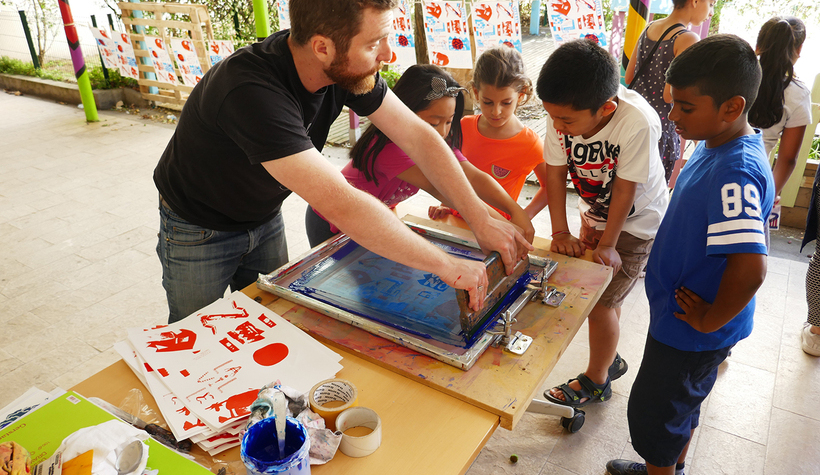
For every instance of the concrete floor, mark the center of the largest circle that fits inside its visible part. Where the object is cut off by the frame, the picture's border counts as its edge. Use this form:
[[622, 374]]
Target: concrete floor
[[78, 224]]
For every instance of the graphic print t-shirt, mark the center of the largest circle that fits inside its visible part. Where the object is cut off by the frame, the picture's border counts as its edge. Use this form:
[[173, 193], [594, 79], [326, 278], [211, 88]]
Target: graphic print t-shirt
[[627, 147]]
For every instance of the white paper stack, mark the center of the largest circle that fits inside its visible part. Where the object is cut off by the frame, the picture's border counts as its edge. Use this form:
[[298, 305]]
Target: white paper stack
[[205, 370]]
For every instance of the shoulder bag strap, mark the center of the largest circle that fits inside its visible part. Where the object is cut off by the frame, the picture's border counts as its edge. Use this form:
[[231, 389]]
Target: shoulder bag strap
[[652, 52]]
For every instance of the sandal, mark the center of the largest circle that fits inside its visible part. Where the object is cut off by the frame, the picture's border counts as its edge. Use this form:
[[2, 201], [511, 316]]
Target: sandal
[[593, 392], [618, 368]]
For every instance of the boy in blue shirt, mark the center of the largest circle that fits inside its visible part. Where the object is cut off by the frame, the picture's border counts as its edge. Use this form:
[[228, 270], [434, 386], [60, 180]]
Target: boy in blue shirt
[[709, 257]]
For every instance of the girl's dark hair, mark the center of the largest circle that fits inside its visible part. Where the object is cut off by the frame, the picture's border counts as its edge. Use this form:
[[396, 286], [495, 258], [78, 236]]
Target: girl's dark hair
[[778, 42], [412, 88], [502, 66]]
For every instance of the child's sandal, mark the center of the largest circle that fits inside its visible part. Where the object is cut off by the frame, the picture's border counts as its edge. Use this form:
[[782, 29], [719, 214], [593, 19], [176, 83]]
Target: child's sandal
[[589, 390]]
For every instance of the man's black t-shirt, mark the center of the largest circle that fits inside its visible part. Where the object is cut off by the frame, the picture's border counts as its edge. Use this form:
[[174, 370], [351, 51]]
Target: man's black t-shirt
[[248, 109]]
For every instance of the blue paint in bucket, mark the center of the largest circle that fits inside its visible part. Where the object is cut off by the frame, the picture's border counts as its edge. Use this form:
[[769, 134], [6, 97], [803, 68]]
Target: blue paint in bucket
[[260, 449]]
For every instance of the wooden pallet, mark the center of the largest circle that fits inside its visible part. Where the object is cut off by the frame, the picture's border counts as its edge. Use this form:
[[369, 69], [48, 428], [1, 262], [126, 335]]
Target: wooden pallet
[[197, 27]]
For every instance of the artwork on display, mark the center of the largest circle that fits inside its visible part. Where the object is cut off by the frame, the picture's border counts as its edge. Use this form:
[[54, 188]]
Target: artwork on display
[[448, 40], [163, 65], [219, 50], [575, 19], [496, 23], [126, 60], [216, 359], [283, 10], [402, 41], [186, 58], [106, 46]]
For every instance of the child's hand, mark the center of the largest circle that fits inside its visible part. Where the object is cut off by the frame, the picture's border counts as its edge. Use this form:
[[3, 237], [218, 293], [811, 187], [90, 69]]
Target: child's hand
[[607, 256], [568, 245], [694, 308], [524, 225], [437, 212]]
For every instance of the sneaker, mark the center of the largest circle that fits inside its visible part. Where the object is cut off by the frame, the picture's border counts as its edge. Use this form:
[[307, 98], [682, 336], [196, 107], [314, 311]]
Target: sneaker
[[625, 467], [811, 341]]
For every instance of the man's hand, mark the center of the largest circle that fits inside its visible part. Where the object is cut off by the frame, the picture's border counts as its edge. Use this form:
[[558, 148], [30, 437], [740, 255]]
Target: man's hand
[[694, 309], [568, 245], [607, 256], [438, 212], [501, 236], [470, 276]]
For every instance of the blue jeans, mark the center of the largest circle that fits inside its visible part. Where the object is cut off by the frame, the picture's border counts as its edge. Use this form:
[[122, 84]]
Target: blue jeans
[[198, 263]]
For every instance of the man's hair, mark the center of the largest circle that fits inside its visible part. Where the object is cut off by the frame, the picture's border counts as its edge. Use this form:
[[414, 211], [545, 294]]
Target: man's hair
[[720, 66], [580, 74], [338, 20]]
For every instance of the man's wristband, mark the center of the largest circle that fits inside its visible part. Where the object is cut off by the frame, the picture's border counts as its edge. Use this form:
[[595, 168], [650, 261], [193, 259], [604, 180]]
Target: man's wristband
[[559, 232]]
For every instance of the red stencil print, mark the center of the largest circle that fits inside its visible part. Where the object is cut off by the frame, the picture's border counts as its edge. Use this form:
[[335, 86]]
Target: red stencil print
[[271, 354], [237, 405], [403, 41], [458, 44], [170, 341]]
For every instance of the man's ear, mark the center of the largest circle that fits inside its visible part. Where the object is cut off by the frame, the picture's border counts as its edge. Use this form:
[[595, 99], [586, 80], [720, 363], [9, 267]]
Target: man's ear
[[733, 108], [323, 49], [609, 107]]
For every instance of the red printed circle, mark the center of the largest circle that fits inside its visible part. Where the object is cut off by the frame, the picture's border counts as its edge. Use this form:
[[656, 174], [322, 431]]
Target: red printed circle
[[271, 354]]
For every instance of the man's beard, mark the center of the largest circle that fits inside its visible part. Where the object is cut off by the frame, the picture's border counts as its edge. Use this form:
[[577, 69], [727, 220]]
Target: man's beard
[[356, 83]]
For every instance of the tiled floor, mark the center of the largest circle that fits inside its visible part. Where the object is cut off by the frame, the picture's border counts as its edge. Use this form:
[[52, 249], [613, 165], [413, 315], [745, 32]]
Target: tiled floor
[[78, 226]]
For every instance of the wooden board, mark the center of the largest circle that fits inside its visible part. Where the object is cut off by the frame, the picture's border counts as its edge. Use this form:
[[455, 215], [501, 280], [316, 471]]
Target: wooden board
[[500, 382], [196, 27]]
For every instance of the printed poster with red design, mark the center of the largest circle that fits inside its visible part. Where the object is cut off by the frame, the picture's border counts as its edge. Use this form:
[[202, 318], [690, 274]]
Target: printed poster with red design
[[186, 58], [575, 19], [283, 10], [496, 23], [125, 55], [448, 40], [106, 47], [402, 41], [218, 358], [219, 50], [163, 65]]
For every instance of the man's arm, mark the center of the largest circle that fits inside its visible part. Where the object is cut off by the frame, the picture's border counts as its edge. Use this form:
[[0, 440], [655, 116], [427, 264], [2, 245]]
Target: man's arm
[[371, 224], [744, 274], [436, 160]]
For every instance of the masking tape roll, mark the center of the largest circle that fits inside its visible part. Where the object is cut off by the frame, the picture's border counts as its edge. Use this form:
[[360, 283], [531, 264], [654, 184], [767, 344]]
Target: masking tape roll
[[364, 445], [326, 396]]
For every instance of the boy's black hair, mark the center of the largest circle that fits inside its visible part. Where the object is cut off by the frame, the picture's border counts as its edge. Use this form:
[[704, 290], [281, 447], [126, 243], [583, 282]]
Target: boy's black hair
[[721, 67], [580, 74]]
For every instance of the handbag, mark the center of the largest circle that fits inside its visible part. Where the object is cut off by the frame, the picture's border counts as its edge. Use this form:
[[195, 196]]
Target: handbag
[[652, 52]]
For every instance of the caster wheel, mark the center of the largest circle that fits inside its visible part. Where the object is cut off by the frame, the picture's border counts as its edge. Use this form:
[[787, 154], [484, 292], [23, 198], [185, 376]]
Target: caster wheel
[[573, 424]]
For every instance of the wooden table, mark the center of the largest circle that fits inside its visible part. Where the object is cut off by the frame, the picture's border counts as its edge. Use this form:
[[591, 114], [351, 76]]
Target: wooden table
[[435, 418]]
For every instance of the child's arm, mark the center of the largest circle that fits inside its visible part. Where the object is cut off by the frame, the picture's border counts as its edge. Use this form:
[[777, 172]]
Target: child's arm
[[623, 197], [563, 241], [744, 274], [790, 142], [540, 199], [494, 194]]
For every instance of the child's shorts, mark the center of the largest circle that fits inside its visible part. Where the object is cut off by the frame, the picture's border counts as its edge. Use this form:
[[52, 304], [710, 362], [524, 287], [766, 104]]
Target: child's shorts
[[664, 405], [634, 253]]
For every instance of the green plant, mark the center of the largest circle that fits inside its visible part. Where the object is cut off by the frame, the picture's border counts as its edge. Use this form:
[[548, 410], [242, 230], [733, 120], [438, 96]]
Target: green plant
[[390, 76], [115, 80], [15, 66], [814, 151]]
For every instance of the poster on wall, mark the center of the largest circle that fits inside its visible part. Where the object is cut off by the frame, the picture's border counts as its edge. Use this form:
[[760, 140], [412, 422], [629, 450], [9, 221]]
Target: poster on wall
[[283, 10], [186, 58], [571, 20], [219, 50], [402, 41], [448, 40], [127, 60], [163, 65], [106, 47], [496, 23]]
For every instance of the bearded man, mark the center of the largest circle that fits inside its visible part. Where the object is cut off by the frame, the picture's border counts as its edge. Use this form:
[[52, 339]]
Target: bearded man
[[252, 132]]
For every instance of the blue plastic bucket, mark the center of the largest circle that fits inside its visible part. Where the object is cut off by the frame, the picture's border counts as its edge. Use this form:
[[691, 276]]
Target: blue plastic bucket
[[260, 449]]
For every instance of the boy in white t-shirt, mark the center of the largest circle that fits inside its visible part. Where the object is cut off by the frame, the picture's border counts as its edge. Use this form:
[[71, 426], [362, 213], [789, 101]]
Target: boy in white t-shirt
[[606, 137]]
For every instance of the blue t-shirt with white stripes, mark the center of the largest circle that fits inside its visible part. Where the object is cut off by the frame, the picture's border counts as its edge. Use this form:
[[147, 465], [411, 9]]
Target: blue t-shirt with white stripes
[[720, 206]]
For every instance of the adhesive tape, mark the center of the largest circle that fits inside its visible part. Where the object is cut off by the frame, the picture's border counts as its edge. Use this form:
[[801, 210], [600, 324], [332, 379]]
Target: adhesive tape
[[353, 446], [330, 397]]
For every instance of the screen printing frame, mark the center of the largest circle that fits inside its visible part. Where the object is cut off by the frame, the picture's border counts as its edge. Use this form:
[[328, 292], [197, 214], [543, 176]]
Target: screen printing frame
[[277, 283]]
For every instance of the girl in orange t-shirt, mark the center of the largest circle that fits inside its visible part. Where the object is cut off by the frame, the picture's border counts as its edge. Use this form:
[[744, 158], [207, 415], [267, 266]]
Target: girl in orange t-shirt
[[496, 141]]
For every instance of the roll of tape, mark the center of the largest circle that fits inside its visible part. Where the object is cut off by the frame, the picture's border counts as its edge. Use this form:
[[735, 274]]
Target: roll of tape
[[330, 397], [360, 446]]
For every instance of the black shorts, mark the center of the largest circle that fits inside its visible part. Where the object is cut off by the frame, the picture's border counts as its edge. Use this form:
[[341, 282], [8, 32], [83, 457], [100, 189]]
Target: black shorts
[[664, 405]]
